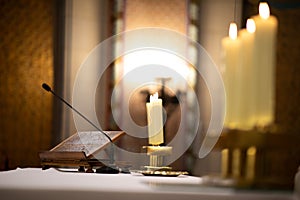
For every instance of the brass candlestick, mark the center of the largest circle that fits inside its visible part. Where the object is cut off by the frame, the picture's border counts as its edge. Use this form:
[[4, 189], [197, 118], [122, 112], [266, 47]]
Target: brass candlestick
[[157, 156], [157, 165], [259, 159]]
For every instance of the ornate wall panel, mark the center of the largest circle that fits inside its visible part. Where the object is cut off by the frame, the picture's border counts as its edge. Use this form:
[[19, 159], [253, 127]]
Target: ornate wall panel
[[26, 61]]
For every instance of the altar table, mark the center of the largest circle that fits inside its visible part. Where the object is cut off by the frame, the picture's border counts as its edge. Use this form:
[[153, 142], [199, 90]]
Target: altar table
[[35, 183]]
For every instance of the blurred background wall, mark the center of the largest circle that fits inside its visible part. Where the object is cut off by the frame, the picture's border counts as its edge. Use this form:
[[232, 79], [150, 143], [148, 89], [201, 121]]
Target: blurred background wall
[[32, 51], [26, 60]]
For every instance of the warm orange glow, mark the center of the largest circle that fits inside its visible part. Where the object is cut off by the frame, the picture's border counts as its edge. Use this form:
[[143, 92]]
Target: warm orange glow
[[250, 25], [264, 10], [233, 31]]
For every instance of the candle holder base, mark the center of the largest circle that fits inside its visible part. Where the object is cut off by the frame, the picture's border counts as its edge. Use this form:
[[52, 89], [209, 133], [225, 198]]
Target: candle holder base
[[157, 155], [152, 168], [168, 173], [157, 165]]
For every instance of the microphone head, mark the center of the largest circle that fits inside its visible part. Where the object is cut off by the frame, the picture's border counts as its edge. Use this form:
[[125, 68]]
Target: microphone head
[[46, 87]]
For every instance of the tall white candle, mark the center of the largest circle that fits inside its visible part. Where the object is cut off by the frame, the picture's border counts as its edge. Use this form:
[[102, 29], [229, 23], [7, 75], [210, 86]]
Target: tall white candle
[[248, 77], [265, 51], [155, 120], [231, 50]]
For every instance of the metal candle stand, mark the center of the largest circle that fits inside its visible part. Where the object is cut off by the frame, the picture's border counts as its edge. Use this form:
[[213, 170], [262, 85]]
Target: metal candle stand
[[157, 156], [157, 165]]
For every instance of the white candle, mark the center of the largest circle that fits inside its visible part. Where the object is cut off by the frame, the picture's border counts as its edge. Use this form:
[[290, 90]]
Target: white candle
[[231, 50], [265, 51], [248, 77], [155, 120]]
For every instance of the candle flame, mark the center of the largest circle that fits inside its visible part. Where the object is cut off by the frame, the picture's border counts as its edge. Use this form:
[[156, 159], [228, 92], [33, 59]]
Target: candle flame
[[233, 31], [154, 97], [250, 25], [264, 10]]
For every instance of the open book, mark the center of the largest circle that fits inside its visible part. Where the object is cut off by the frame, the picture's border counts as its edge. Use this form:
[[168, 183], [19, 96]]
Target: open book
[[79, 150]]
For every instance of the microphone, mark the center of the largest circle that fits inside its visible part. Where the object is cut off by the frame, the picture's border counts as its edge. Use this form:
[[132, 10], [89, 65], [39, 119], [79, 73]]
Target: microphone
[[104, 169]]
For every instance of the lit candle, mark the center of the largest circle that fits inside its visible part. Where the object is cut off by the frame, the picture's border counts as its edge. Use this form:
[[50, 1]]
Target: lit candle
[[155, 120], [248, 76], [265, 51], [231, 49]]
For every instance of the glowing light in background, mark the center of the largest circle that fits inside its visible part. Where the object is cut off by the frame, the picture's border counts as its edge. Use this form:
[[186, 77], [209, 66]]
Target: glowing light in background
[[250, 25], [233, 31], [148, 57], [264, 10]]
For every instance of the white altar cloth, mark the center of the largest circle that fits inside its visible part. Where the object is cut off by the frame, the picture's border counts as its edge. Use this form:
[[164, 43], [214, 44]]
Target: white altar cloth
[[34, 183]]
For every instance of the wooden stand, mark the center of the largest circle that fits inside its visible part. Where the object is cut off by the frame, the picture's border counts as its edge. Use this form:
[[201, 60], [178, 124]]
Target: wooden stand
[[79, 150], [259, 159]]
